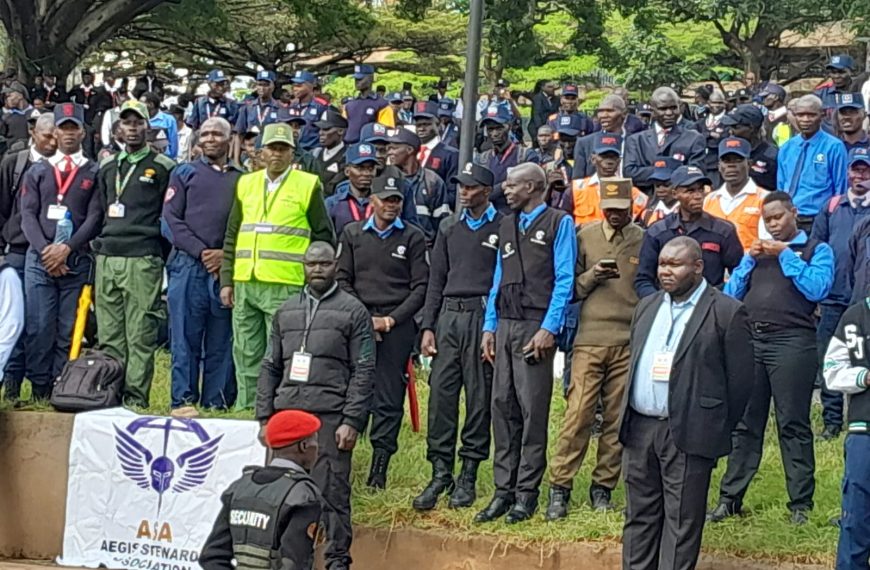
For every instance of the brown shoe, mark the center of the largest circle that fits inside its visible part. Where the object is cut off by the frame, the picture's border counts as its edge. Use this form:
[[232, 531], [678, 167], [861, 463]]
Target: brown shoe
[[185, 412]]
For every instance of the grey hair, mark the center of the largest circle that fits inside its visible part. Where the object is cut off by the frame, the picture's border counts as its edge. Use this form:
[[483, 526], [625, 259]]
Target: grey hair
[[44, 122], [220, 123], [614, 101], [686, 242], [665, 93], [811, 101], [533, 173]]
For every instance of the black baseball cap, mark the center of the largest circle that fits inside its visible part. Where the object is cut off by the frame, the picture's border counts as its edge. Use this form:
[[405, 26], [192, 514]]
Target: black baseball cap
[[387, 185], [474, 175], [745, 114], [331, 119]]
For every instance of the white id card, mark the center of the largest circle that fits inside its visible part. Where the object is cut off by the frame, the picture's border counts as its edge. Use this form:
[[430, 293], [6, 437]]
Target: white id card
[[661, 366], [116, 210], [300, 367], [56, 212]]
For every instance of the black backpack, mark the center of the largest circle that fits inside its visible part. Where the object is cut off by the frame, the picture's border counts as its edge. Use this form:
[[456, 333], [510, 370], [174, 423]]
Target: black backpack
[[93, 381]]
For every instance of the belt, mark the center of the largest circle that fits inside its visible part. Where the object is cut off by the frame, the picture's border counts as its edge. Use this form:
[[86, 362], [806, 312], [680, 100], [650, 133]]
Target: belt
[[19, 249], [762, 327], [465, 304]]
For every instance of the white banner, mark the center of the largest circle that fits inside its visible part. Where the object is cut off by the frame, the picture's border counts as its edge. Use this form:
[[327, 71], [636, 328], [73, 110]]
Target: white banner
[[144, 491]]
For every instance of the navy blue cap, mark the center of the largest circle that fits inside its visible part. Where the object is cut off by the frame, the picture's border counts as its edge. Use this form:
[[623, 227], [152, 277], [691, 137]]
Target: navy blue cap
[[495, 114], [266, 75], [688, 175], [394, 97], [607, 142], [735, 145], [331, 119], [360, 153], [426, 109], [288, 115], [404, 136], [69, 112], [407, 96], [859, 154], [362, 70], [849, 101], [841, 61], [663, 168], [774, 89], [302, 76], [474, 174], [374, 133], [216, 76], [744, 114], [570, 89], [446, 107], [644, 109], [570, 125]]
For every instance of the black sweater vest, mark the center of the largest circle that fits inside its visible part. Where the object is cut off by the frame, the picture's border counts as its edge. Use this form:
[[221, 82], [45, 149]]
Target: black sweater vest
[[471, 256], [773, 298]]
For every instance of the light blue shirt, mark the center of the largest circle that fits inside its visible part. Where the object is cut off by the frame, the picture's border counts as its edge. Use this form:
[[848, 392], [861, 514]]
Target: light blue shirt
[[474, 225], [167, 122], [822, 176], [383, 234], [650, 397], [564, 259], [813, 278]]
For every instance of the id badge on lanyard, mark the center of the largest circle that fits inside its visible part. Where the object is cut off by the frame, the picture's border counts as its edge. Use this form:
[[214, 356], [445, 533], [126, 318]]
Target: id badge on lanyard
[[300, 366], [58, 211]]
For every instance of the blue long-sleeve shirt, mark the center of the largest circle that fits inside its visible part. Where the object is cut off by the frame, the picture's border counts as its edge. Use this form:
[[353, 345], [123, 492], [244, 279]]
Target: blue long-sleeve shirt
[[813, 279], [834, 225], [564, 259], [167, 122], [822, 175]]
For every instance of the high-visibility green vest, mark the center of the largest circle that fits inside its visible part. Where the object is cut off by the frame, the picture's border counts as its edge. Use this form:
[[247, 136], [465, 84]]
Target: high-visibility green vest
[[274, 232]]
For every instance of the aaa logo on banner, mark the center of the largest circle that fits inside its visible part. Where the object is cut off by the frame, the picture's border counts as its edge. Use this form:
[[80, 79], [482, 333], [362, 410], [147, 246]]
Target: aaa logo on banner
[[144, 491]]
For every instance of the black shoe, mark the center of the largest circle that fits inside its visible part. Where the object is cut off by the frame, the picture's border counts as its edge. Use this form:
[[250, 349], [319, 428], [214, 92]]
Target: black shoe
[[442, 482], [830, 432], [799, 517], [723, 510], [497, 508], [599, 497], [465, 492], [522, 511], [597, 425], [557, 508], [378, 472]]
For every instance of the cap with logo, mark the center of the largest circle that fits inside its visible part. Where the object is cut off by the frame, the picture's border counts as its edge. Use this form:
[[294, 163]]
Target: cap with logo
[[302, 76], [387, 186], [774, 89], [495, 114], [266, 75], [615, 193], [130, 106], [278, 133], [374, 133], [33, 114], [425, 110], [663, 168], [849, 101], [570, 89], [404, 136], [362, 70], [216, 76], [841, 61], [394, 97], [604, 143], [74, 113], [446, 107], [688, 175], [644, 109], [570, 125], [735, 145], [290, 426], [745, 114], [360, 153], [288, 115], [407, 96], [859, 154], [474, 174], [331, 119]]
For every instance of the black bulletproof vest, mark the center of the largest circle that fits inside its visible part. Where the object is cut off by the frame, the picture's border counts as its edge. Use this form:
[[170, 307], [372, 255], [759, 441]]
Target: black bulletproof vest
[[254, 516], [472, 256], [527, 253], [773, 298]]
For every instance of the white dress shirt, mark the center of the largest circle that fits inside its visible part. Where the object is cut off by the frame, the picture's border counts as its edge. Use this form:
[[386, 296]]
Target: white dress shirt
[[729, 203]]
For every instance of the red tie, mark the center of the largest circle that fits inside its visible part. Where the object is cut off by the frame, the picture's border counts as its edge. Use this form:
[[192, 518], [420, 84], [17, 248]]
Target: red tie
[[423, 155], [67, 167]]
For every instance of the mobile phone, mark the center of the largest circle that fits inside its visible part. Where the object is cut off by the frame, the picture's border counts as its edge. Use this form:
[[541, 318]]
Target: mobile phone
[[529, 357], [609, 264]]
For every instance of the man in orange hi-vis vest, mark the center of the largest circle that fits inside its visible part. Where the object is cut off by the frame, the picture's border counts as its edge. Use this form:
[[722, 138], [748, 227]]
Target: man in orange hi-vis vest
[[584, 198], [739, 200]]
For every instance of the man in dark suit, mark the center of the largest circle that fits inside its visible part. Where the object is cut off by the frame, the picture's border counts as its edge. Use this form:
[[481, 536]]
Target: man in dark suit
[[691, 348], [544, 104], [611, 117], [664, 138]]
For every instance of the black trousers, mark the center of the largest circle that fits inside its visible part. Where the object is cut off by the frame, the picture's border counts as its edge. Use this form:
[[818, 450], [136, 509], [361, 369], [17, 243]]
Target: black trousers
[[785, 368], [458, 366], [521, 396], [393, 351], [331, 472], [666, 499]]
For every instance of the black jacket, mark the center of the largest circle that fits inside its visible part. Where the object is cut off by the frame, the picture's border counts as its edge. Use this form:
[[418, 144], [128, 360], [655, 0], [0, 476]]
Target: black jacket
[[641, 150], [341, 344], [711, 375], [10, 208], [542, 107]]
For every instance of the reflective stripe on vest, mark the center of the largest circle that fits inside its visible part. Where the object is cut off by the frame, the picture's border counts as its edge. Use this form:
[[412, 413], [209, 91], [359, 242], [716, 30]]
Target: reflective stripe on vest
[[274, 232]]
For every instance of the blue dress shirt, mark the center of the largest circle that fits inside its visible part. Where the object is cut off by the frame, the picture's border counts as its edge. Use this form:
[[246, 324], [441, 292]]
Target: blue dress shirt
[[564, 259], [474, 225], [822, 172], [650, 397], [813, 279], [383, 234]]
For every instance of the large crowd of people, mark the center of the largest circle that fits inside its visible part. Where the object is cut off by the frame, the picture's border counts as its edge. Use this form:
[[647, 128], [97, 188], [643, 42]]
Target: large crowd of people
[[693, 262]]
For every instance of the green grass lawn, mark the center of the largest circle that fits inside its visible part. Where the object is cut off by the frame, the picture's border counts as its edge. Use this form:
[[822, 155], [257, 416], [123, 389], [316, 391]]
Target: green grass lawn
[[764, 533]]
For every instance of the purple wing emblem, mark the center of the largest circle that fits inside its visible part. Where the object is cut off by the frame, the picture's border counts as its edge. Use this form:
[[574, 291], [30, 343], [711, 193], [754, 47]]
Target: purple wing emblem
[[195, 464], [135, 458]]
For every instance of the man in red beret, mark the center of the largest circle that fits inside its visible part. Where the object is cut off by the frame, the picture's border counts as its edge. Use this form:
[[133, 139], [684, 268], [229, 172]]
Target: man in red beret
[[271, 516]]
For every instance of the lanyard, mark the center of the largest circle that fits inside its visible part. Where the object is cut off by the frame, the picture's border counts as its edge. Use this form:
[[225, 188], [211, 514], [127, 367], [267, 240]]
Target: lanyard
[[261, 114], [63, 186], [506, 153], [209, 112], [354, 210], [119, 185]]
